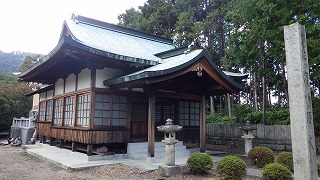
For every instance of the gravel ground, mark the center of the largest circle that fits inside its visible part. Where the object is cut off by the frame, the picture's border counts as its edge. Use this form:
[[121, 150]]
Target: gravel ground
[[16, 164]]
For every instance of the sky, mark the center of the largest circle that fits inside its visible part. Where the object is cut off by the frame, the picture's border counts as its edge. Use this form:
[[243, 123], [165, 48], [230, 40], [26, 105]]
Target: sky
[[35, 25]]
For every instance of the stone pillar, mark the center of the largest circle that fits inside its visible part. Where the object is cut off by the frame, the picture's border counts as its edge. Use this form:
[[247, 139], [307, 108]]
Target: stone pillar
[[170, 154], [301, 117], [247, 143]]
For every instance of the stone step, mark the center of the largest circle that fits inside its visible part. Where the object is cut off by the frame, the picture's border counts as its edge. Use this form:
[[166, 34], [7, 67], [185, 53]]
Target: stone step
[[139, 151]]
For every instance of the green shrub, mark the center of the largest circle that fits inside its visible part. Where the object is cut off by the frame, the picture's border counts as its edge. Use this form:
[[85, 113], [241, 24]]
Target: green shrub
[[276, 171], [199, 163], [318, 167], [231, 168], [278, 116], [316, 115], [286, 159], [219, 119], [260, 156], [254, 117]]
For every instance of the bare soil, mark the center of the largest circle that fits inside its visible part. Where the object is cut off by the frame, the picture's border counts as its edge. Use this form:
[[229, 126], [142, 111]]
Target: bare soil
[[16, 164]]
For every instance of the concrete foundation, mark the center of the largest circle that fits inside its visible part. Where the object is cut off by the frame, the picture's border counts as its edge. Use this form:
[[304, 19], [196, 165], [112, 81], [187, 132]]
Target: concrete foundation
[[24, 133]]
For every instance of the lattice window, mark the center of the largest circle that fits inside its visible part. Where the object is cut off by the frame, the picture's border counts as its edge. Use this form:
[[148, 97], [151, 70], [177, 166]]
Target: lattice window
[[69, 111], [189, 113], [169, 112], [110, 110], [49, 110], [42, 111], [139, 111], [58, 106], [83, 110], [165, 110]]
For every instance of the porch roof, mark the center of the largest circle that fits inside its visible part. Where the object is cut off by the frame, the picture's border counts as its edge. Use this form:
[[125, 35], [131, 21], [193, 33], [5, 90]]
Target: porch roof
[[177, 64]]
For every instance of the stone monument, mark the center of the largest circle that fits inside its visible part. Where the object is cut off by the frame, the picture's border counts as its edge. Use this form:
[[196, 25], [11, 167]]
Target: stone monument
[[170, 168], [301, 117], [247, 136]]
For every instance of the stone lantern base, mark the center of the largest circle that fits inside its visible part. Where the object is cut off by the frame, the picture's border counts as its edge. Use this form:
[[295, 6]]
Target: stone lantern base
[[168, 171]]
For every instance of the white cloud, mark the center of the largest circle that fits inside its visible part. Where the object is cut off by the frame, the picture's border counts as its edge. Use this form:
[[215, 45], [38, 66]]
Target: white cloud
[[35, 25]]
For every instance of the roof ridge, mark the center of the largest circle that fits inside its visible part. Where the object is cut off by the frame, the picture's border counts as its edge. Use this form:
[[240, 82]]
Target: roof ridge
[[120, 29]]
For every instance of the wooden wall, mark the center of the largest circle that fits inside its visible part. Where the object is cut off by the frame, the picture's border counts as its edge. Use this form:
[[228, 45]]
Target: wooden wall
[[82, 135]]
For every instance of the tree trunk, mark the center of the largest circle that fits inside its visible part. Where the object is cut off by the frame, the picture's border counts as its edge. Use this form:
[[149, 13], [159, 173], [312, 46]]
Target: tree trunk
[[264, 88], [255, 93], [285, 82], [212, 105]]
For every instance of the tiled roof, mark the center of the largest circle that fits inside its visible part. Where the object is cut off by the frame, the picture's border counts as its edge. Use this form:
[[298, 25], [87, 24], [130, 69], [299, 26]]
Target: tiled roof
[[117, 40], [169, 65]]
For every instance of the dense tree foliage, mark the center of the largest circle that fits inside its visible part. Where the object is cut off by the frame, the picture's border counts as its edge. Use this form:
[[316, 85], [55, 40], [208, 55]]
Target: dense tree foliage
[[13, 102], [239, 35]]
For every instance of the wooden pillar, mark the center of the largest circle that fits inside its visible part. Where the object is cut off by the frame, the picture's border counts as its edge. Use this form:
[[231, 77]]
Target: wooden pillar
[[89, 150], [61, 143], [151, 124], [203, 124], [74, 146], [229, 104], [43, 139], [51, 142]]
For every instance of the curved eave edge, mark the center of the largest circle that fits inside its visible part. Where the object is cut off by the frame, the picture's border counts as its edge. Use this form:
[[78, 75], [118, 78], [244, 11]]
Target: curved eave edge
[[149, 74], [67, 40], [43, 59], [81, 45]]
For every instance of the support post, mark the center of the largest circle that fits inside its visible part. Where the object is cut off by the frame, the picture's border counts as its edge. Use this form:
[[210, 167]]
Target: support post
[[51, 142], [43, 139], [89, 150], [203, 124], [301, 117], [61, 143], [151, 124], [74, 146]]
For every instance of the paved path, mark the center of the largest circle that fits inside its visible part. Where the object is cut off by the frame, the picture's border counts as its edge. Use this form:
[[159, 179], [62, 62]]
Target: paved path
[[76, 160]]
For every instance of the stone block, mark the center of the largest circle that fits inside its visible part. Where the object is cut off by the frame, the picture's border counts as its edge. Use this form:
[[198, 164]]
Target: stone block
[[169, 171]]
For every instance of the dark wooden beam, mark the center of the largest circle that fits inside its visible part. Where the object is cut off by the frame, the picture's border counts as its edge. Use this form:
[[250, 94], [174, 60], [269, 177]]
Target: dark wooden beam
[[203, 124], [151, 124]]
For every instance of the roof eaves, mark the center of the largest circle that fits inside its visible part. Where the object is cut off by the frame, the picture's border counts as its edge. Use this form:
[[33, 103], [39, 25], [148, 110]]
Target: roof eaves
[[41, 90], [44, 58], [147, 74], [144, 62]]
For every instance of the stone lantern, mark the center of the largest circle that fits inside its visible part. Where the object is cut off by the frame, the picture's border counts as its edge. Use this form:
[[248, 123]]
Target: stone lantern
[[170, 168], [248, 128]]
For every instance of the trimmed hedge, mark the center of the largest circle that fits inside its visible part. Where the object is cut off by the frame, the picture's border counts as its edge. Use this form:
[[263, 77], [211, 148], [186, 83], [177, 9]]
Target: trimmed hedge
[[260, 156], [231, 168], [199, 163], [276, 171], [286, 159]]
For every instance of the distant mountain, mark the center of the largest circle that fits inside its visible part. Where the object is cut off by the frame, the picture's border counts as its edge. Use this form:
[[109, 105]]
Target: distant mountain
[[9, 62]]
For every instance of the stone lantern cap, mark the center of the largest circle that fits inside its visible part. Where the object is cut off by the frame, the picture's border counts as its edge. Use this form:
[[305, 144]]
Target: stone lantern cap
[[169, 127], [248, 127]]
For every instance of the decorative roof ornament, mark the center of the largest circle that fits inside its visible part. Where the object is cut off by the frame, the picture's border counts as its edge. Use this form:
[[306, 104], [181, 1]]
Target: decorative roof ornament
[[193, 46], [74, 17]]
